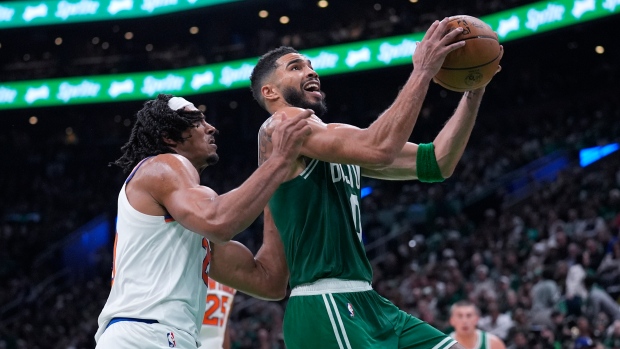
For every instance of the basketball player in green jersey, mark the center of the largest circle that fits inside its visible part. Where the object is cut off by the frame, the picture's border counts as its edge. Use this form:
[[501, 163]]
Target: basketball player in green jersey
[[317, 212], [464, 316]]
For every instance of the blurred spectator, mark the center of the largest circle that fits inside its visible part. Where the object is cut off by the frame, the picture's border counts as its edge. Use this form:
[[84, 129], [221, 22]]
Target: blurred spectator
[[584, 337], [612, 337], [462, 239], [608, 271], [495, 322], [576, 291], [484, 287], [597, 301], [520, 340], [545, 297]]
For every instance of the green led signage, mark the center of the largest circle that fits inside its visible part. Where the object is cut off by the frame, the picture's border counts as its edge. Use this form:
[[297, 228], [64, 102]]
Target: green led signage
[[358, 56], [30, 13]]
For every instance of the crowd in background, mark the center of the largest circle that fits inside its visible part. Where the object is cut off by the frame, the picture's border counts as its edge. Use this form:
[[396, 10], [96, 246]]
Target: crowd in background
[[543, 267], [105, 50], [543, 271]]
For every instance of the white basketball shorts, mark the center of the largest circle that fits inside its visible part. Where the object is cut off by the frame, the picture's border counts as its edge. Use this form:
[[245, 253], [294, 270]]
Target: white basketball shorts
[[139, 335]]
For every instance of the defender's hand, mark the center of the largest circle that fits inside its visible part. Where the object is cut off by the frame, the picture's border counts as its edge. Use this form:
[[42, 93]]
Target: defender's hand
[[289, 134]]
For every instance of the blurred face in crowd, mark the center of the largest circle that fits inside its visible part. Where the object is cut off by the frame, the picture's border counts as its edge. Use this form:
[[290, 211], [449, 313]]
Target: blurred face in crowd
[[616, 249], [299, 83], [616, 328], [561, 238], [561, 269], [583, 325], [519, 316], [520, 340], [464, 319], [573, 250]]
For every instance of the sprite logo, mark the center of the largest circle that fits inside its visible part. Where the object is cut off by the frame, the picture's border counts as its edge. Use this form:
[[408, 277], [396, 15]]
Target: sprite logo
[[153, 85], [84, 7], [324, 60], [553, 13], [67, 92], [388, 52], [231, 75]]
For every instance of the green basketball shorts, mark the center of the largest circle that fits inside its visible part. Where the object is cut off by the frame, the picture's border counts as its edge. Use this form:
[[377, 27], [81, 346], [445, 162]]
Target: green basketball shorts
[[348, 314]]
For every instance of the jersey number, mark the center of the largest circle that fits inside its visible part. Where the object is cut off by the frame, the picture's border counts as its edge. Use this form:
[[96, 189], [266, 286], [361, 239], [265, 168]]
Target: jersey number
[[214, 304], [357, 217]]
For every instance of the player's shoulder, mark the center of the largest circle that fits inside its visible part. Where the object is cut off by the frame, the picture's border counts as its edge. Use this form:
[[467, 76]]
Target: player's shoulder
[[495, 342], [165, 166], [289, 112]]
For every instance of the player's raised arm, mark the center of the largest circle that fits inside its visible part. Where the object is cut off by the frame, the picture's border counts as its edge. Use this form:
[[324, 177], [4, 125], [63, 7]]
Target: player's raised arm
[[291, 81], [436, 161]]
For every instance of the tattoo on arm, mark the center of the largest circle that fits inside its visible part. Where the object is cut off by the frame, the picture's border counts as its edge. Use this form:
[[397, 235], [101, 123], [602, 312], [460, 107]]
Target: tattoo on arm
[[264, 139]]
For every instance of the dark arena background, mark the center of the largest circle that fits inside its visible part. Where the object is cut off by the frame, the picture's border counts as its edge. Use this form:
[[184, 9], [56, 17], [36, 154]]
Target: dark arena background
[[534, 201]]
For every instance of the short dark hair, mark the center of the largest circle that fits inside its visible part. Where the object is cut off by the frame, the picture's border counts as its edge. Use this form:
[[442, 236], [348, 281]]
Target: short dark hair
[[464, 303], [153, 122], [265, 66]]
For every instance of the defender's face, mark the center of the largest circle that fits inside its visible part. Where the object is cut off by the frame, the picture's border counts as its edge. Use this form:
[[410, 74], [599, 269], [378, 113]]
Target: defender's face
[[199, 145], [464, 319], [299, 84]]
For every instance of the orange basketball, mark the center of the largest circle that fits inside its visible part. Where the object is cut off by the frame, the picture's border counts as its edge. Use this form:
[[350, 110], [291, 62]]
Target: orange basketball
[[473, 65]]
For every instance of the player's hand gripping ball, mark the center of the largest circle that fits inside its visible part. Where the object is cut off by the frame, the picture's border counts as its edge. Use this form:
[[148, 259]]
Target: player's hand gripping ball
[[473, 65]]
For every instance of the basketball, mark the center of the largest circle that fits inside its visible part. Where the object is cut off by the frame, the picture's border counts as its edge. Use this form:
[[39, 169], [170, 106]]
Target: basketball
[[473, 65]]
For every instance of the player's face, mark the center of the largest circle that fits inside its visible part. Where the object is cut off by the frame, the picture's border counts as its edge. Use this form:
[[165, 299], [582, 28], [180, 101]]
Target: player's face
[[299, 83], [464, 319], [199, 145]]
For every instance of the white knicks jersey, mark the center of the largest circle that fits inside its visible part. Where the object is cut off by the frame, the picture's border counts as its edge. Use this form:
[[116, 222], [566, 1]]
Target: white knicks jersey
[[160, 271], [219, 303]]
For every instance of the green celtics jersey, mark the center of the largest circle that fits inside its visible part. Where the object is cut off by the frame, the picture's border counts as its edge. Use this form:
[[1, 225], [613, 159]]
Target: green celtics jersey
[[318, 216], [482, 342]]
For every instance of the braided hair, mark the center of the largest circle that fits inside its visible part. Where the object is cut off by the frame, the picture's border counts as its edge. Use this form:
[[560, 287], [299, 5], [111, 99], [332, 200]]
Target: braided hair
[[265, 67], [154, 122]]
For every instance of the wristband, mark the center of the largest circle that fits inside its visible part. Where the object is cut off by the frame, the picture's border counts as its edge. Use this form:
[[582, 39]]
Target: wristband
[[426, 164]]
